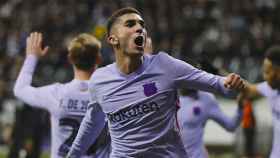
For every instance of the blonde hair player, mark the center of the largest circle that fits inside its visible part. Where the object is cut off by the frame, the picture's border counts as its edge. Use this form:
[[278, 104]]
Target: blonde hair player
[[67, 103]]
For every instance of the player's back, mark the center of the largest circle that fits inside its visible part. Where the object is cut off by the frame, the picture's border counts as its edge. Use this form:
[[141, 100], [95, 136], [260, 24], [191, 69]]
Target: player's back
[[66, 116], [73, 100], [67, 104]]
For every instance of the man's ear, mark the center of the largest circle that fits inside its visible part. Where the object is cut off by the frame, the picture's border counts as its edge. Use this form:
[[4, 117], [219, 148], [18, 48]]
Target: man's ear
[[113, 40], [98, 59]]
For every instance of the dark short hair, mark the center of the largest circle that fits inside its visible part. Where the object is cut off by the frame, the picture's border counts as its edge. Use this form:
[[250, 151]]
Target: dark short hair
[[117, 14], [273, 54]]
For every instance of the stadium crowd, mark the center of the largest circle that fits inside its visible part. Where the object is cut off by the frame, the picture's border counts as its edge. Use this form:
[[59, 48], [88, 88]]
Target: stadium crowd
[[230, 34]]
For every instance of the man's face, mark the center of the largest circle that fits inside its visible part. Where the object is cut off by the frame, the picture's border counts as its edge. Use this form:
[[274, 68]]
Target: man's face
[[130, 33], [271, 74]]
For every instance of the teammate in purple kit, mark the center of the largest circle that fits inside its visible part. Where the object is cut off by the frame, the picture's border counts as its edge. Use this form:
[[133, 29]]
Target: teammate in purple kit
[[270, 88], [67, 103], [196, 108], [138, 93]]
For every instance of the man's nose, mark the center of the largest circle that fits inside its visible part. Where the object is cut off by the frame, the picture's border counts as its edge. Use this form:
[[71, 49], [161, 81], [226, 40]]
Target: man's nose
[[140, 30]]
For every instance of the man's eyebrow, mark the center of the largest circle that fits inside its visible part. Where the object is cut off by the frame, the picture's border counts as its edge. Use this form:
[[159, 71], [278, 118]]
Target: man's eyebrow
[[142, 22], [130, 20]]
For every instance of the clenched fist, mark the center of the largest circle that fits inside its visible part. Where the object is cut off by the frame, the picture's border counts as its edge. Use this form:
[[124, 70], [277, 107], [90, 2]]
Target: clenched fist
[[234, 82]]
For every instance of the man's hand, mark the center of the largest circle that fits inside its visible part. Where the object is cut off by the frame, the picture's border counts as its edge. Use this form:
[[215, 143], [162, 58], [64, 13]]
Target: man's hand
[[34, 45], [234, 82]]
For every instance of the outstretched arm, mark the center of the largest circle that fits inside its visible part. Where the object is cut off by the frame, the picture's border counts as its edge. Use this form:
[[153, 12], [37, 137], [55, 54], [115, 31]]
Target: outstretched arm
[[23, 90], [251, 91], [188, 76], [229, 123]]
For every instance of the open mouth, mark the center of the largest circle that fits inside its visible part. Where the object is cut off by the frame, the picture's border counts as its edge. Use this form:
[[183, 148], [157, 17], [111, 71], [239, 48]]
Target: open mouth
[[139, 41]]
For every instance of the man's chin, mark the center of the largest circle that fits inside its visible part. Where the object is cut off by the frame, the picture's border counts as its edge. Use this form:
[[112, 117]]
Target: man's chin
[[135, 53], [139, 53], [138, 50]]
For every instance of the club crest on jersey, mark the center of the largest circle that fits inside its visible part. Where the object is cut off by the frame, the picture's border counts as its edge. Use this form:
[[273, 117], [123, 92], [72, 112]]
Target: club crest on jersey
[[196, 111], [150, 89]]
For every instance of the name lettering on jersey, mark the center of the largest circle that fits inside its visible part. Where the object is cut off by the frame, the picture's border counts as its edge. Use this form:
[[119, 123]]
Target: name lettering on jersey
[[85, 104], [74, 105], [133, 112]]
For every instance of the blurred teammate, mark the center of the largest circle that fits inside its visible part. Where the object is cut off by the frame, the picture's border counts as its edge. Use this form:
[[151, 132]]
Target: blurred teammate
[[67, 103], [138, 93], [270, 88], [196, 108]]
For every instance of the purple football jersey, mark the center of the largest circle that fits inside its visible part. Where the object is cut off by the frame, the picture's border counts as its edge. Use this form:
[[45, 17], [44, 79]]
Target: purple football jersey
[[141, 106]]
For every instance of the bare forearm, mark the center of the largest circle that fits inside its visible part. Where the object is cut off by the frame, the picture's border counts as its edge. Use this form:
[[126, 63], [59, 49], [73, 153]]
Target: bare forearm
[[251, 91]]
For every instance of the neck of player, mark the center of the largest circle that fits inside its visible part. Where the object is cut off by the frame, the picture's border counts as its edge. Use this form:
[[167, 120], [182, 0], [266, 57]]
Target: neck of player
[[81, 74], [128, 64]]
